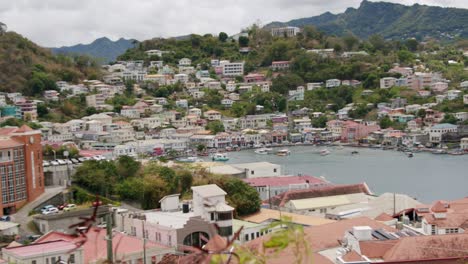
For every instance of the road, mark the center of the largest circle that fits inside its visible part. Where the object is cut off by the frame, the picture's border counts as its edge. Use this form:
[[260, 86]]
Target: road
[[22, 216]]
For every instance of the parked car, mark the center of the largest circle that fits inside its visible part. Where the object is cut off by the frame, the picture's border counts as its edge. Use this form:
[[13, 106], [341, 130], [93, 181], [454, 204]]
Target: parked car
[[52, 210], [46, 207], [69, 207], [5, 218]]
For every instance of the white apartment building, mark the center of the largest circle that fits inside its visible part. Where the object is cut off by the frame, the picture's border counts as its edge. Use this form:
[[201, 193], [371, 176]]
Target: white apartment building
[[332, 83], [232, 68], [285, 31], [436, 132], [387, 82], [181, 77]]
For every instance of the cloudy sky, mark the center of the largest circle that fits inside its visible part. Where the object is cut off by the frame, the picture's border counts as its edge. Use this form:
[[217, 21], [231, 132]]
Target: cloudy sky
[[54, 23]]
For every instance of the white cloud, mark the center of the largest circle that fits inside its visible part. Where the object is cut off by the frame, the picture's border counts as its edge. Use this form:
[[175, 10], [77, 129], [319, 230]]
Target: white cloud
[[62, 22]]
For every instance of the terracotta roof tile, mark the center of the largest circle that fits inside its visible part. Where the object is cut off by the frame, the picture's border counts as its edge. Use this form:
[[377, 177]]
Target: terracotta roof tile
[[376, 249], [283, 181], [384, 217], [352, 256], [438, 207], [428, 247]]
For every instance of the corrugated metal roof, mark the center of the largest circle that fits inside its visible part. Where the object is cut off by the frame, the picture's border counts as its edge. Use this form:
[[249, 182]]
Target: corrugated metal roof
[[319, 202]]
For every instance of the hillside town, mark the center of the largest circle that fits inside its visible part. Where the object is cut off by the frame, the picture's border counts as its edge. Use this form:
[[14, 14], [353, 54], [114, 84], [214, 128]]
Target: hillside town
[[227, 149]]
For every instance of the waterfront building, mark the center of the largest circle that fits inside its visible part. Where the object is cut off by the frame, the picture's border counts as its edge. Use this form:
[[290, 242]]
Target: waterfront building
[[436, 132]]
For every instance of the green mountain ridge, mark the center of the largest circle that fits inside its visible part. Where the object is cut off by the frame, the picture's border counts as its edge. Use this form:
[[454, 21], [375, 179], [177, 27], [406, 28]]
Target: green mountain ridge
[[102, 48], [392, 21], [28, 68]]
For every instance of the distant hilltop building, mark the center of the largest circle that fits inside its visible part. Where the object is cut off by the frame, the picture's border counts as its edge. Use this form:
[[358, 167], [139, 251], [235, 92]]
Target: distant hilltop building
[[3, 28], [285, 31]]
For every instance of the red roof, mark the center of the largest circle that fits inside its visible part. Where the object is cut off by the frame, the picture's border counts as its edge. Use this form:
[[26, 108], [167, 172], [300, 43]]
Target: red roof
[[92, 153], [284, 181], [9, 143], [383, 217], [95, 247], [39, 248], [280, 62], [439, 207]]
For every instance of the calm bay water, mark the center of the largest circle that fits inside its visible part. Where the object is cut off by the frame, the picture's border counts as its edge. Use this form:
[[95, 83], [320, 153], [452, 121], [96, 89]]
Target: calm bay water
[[426, 176]]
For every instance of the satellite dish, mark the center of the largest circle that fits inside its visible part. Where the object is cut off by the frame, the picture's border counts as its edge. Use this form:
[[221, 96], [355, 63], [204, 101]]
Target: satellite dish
[[3, 28]]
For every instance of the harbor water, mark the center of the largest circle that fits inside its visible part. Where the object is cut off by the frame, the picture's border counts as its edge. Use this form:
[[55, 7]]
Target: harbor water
[[425, 176]]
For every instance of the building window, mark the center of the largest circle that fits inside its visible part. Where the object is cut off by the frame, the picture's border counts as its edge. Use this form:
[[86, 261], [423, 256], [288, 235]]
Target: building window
[[224, 216], [274, 170], [33, 262], [169, 240], [212, 217], [258, 234], [246, 237], [252, 172], [72, 258], [252, 236], [52, 259]]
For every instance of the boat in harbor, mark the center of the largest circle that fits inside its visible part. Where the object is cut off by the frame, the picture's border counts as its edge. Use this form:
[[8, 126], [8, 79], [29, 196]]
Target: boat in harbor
[[439, 151], [354, 152], [263, 151], [283, 152], [219, 157], [409, 154], [456, 153], [324, 152]]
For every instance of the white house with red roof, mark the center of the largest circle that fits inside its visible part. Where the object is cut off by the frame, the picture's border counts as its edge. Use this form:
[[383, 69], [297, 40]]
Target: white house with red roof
[[271, 186], [54, 251], [126, 249]]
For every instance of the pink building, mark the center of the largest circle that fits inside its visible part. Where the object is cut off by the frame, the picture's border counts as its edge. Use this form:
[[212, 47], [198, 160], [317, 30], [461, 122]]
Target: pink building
[[254, 77], [350, 131]]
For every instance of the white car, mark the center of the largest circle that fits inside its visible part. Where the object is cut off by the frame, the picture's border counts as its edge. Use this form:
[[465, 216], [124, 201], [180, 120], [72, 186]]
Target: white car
[[51, 210]]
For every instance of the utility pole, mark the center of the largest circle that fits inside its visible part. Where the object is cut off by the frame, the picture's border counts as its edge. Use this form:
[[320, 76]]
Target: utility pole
[[394, 204], [269, 196], [144, 240], [110, 255]]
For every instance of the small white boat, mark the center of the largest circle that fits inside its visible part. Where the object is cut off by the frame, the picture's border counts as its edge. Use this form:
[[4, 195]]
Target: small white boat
[[263, 151], [324, 152], [283, 152], [220, 157]]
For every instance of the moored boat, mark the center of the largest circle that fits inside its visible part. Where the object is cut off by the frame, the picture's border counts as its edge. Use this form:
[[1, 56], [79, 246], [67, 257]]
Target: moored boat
[[409, 154], [220, 157], [324, 152], [263, 151], [439, 151], [354, 152], [283, 152]]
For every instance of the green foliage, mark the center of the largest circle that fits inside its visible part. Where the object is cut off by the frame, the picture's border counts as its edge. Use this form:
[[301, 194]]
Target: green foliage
[[243, 41], [392, 21], [215, 127], [385, 122], [98, 177], [449, 118], [320, 121], [283, 83], [286, 235], [30, 69], [240, 195], [19, 123], [127, 167], [222, 36]]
